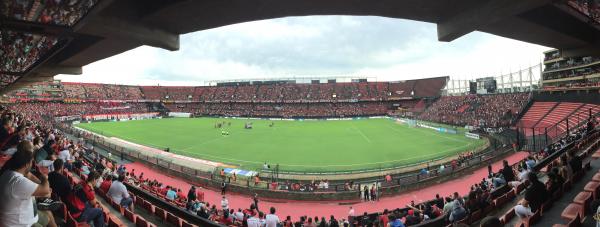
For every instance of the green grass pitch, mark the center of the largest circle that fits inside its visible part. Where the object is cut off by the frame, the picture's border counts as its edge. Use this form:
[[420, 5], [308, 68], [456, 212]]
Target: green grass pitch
[[324, 146]]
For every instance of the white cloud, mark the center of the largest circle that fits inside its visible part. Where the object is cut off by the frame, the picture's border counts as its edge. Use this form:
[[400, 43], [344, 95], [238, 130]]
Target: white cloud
[[389, 49]]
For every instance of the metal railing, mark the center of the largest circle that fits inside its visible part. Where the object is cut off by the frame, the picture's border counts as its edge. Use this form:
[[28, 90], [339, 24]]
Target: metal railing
[[538, 138]]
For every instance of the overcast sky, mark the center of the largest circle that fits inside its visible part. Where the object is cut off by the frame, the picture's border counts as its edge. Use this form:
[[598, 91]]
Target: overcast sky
[[385, 48]]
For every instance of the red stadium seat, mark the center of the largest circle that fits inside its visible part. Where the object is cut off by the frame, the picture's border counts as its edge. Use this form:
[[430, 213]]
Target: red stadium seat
[[174, 220], [592, 187], [160, 213], [71, 222], [113, 223], [509, 215], [573, 223], [571, 212], [141, 222], [148, 207], [583, 199], [129, 215]]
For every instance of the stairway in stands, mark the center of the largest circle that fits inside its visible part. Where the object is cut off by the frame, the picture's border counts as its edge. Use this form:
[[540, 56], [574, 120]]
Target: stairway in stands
[[556, 115], [536, 112], [543, 115]]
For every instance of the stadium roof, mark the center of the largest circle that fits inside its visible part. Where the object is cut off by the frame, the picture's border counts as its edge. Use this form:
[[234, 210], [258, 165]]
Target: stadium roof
[[110, 27]]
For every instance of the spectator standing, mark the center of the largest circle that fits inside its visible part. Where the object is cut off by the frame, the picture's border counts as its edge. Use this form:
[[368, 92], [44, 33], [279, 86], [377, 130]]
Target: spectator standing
[[58, 182], [271, 219], [253, 221], [507, 172], [351, 215], [255, 198], [224, 203], [575, 163], [536, 193], [192, 193], [65, 155]]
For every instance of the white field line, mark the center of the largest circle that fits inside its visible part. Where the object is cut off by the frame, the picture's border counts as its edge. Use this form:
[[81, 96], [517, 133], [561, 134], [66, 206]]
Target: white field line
[[360, 132]]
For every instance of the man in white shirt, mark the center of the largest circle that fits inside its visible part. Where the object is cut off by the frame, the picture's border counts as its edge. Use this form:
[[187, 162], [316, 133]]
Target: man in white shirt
[[224, 203], [523, 176], [118, 193], [65, 155], [18, 190], [253, 221], [271, 219], [523, 210]]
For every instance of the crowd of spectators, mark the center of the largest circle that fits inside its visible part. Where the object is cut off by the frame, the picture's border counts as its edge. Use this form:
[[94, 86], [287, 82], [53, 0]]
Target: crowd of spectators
[[285, 110], [572, 73], [572, 62], [19, 51], [102, 91], [492, 111], [7, 79], [47, 110], [372, 91], [58, 12], [588, 8], [269, 93], [574, 85]]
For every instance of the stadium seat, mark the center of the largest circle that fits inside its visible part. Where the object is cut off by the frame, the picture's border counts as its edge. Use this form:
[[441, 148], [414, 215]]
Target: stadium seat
[[571, 212], [141, 222], [160, 213], [174, 220], [592, 187], [129, 215], [596, 177], [148, 207], [510, 195], [576, 222], [488, 209], [185, 224], [117, 206], [475, 216], [545, 207], [500, 201], [583, 199], [71, 222], [520, 188], [113, 223], [509, 215], [139, 201]]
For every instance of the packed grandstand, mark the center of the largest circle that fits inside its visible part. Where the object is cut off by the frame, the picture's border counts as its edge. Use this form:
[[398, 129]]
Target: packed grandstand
[[539, 165], [33, 112]]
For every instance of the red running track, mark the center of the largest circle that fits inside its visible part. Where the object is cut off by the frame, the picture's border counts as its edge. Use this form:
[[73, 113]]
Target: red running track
[[300, 208]]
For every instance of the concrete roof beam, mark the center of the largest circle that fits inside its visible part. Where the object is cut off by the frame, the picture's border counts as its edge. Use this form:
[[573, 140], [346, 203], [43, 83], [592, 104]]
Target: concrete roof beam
[[485, 13], [57, 69], [116, 28]]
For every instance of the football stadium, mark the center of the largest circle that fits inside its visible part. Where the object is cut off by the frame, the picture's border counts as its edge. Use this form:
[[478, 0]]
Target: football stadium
[[291, 144], [299, 113]]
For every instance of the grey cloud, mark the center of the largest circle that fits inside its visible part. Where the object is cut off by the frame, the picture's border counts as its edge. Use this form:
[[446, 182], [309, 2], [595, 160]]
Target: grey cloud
[[341, 45]]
